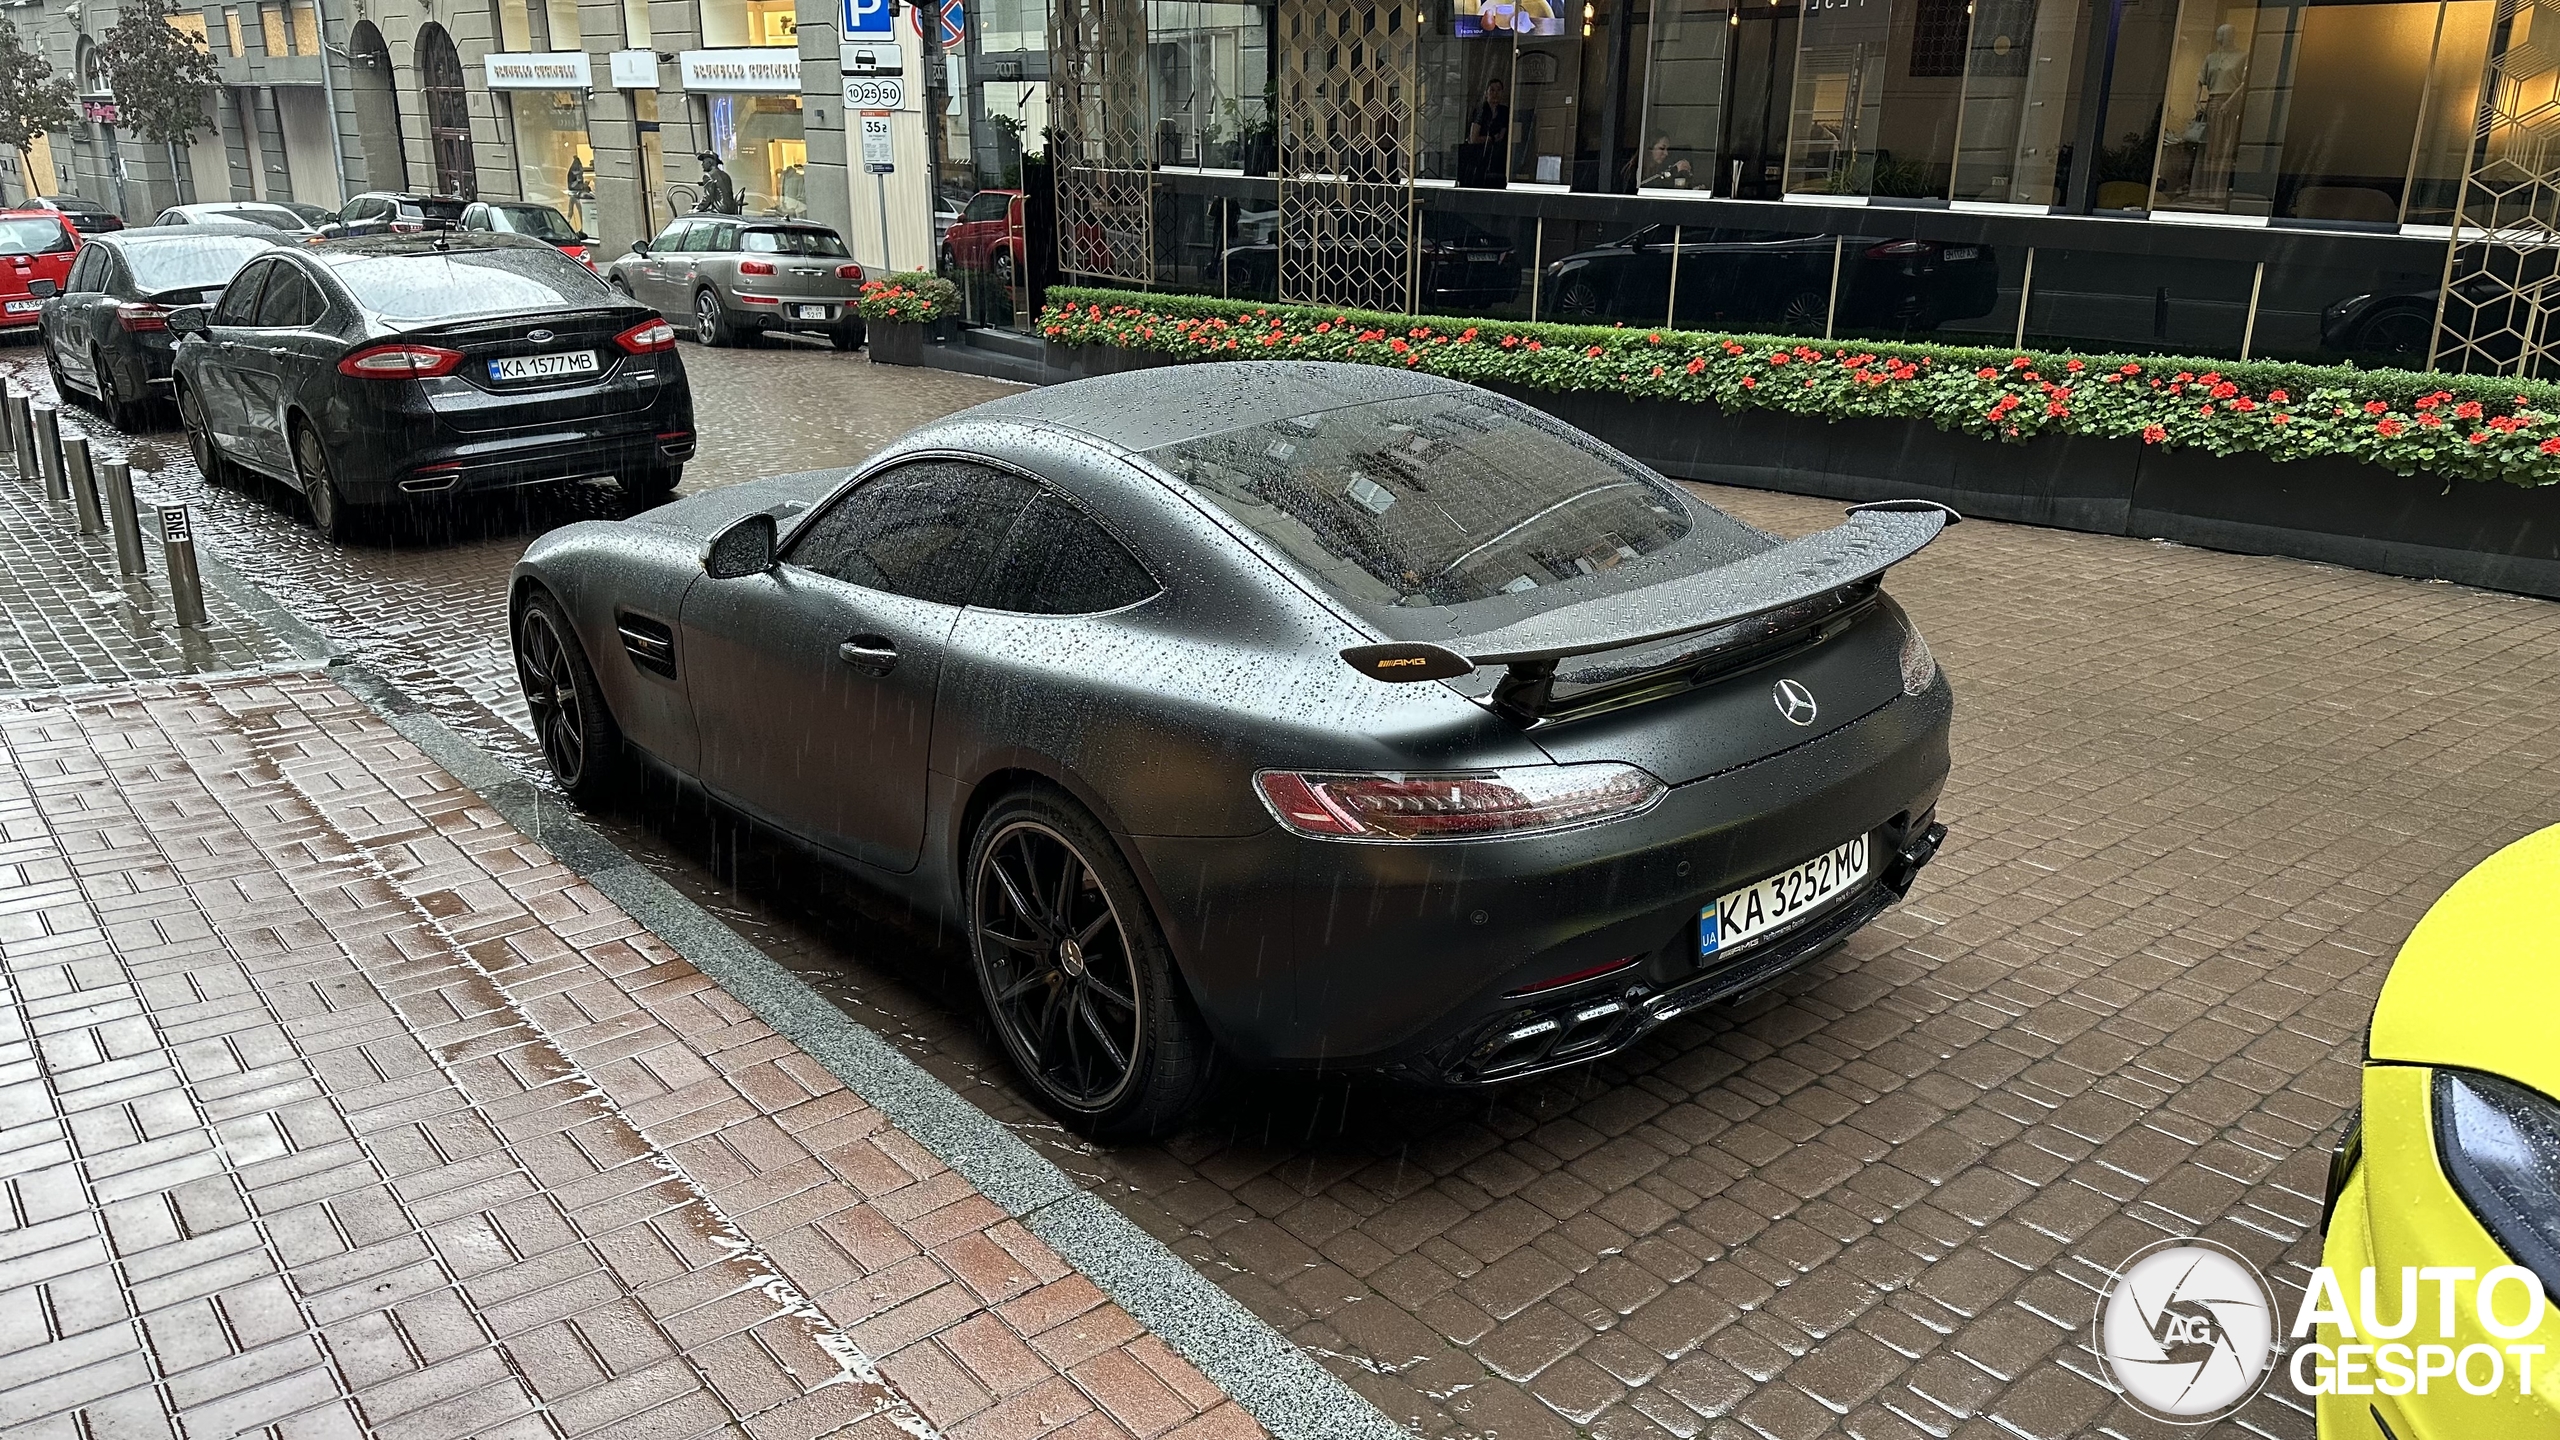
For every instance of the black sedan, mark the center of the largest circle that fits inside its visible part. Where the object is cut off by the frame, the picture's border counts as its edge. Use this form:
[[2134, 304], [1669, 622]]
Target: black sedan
[[107, 333], [401, 368], [1737, 277], [1320, 715], [86, 216]]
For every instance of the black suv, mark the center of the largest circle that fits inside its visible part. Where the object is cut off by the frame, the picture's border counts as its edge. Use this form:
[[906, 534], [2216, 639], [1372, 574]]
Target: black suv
[[396, 369], [389, 212]]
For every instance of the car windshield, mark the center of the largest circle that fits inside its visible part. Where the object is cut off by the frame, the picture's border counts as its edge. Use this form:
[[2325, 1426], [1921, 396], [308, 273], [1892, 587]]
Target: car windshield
[[428, 285], [1439, 500], [32, 235], [268, 215], [539, 221], [824, 243], [195, 263]]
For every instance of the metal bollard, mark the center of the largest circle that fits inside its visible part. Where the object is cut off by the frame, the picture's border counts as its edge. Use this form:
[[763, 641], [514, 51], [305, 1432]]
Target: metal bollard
[[178, 550], [48, 430], [9, 424], [84, 484], [22, 436], [118, 477]]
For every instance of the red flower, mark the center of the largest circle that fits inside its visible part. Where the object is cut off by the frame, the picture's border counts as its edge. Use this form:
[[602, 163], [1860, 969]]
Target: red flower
[[2153, 434], [2225, 390], [2278, 396], [2056, 407], [1593, 352], [1327, 328], [2128, 369], [1657, 372], [1750, 384], [2432, 422], [1653, 339], [2279, 419], [2477, 436], [2074, 366], [1399, 347], [2551, 446], [2389, 428], [1510, 342], [1697, 363], [2374, 407], [1986, 373], [1778, 357], [2244, 404], [2467, 410], [2020, 363], [1534, 345]]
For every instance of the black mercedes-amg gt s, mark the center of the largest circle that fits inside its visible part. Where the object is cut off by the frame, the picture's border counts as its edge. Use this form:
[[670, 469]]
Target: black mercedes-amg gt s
[[1322, 714]]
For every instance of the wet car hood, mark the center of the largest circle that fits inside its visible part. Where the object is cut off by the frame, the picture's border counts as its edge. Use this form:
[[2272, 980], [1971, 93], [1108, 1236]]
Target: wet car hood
[[2472, 987], [705, 515]]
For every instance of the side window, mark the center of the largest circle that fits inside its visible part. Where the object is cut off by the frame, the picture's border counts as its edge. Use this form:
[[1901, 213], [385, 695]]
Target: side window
[[85, 277], [924, 530], [291, 300], [240, 297], [989, 206], [1058, 561], [721, 236], [678, 237], [114, 276]]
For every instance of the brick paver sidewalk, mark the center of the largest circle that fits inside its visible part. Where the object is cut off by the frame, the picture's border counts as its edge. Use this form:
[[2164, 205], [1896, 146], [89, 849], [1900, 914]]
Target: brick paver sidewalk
[[330, 1104]]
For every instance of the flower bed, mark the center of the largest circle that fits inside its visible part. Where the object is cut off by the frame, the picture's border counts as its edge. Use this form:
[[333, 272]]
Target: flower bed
[[2476, 427], [907, 297]]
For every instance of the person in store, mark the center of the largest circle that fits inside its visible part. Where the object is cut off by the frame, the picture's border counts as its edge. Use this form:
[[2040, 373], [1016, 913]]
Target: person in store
[[581, 188], [1480, 158], [1656, 170], [719, 192]]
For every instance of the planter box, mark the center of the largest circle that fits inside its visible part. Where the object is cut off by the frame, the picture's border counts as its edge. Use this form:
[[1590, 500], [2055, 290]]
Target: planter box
[[2502, 537], [895, 342]]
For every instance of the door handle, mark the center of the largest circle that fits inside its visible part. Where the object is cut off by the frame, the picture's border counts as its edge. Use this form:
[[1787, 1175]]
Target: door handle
[[871, 654]]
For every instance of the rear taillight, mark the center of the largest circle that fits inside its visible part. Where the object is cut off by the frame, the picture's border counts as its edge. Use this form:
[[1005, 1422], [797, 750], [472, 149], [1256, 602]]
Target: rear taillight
[[848, 272], [1894, 248], [136, 315], [400, 362], [755, 267], [406, 227], [646, 337], [1919, 667], [1460, 805]]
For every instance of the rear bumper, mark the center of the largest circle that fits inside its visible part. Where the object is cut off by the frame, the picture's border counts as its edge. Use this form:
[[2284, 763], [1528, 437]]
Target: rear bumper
[[416, 456], [784, 313], [1308, 952]]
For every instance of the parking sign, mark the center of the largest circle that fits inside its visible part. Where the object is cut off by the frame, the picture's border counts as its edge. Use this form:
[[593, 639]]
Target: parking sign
[[868, 17]]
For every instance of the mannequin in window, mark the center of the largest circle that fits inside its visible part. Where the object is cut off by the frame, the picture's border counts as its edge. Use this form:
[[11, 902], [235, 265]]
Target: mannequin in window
[[2221, 82], [1488, 139]]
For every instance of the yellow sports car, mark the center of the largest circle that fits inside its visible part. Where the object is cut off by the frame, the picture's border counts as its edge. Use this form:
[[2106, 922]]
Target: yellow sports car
[[2443, 1211]]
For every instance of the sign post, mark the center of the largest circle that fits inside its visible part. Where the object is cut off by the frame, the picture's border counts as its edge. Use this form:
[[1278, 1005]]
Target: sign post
[[879, 156]]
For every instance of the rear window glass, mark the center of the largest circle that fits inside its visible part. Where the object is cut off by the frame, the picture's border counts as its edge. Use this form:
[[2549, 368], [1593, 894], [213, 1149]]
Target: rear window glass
[[823, 243], [425, 285], [32, 235], [195, 263], [1438, 500], [539, 221], [258, 215]]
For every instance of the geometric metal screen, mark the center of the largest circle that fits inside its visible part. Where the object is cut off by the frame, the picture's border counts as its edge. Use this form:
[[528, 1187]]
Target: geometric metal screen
[[1348, 93], [1098, 100], [2499, 312]]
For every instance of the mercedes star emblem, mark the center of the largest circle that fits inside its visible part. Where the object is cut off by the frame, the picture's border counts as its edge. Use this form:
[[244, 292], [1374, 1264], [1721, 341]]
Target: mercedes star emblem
[[1795, 702]]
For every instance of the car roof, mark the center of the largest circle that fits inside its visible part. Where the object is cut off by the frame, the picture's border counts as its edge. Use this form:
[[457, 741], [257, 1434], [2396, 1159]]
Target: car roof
[[1145, 409], [440, 242], [157, 234]]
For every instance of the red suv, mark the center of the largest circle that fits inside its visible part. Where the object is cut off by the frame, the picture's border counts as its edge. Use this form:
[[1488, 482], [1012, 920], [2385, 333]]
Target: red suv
[[987, 236], [34, 245]]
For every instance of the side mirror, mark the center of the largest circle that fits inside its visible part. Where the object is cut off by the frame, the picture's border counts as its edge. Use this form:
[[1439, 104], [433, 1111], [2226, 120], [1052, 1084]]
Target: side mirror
[[639, 247], [745, 548], [43, 289], [585, 239], [189, 319]]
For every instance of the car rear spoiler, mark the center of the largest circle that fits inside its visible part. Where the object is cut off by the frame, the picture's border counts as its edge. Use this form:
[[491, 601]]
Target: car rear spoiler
[[1876, 537]]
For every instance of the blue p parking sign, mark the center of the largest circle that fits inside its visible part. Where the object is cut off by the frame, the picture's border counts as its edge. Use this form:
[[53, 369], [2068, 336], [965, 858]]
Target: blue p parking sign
[[868, 17]]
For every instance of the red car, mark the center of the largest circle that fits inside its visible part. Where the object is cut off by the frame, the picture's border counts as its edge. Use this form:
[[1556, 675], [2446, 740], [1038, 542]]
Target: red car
[[987, 236], [35, 245]]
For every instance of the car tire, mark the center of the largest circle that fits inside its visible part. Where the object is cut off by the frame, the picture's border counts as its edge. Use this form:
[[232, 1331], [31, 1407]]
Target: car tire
[[710, 326], [337, 520], [851, 336], [62, 391], [211, 463], [621, 287], [1003, 269], [1804, 310], [1081, 989], [644, 488], [1578, 297], [119, 412], [580, 741]]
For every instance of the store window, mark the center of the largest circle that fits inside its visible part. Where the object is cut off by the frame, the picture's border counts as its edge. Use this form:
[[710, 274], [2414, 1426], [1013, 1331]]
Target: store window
[[2021, 101], [740, 24], [1463, 111], [1879, 86], [2308, 110], [1546, 88], [1208, 74], [2447, 124], [760, 140], [1684, 94], [562, 17], [515, 25], [555, 163]]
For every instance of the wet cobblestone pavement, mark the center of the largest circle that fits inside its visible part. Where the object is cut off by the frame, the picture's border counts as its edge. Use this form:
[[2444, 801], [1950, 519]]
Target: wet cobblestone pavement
[[2198, 799]]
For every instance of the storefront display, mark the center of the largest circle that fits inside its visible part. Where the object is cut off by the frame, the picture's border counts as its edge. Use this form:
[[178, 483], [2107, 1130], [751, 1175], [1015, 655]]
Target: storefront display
[[747, 109], [545, 96]]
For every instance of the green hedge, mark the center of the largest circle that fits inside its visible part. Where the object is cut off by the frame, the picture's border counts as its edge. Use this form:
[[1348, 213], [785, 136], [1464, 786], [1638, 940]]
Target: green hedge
[[2475, 427], [907, 295]]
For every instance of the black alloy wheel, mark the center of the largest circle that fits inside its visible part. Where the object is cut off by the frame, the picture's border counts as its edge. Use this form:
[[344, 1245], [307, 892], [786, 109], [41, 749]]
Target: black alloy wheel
[[1076, 974], [1806, 309], [1579, 296], [331, 515], [579, 739], [710, 327], [200, 443], [119, 411]]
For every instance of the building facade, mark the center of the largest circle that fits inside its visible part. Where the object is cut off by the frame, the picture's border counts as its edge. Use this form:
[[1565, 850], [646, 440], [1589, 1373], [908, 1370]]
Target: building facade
[[2317, 180]]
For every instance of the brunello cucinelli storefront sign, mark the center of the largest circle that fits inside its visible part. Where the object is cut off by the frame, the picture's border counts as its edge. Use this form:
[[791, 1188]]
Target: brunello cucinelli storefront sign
[[561, 70], [775, 70]]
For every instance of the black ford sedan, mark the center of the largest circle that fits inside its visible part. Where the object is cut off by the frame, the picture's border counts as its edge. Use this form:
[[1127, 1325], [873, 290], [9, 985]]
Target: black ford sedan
[[107, 333], [1315, 714], [393, 369]]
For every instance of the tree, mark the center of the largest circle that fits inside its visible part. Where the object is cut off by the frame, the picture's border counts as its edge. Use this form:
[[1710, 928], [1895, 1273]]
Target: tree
[[159, 73], [33, 100]]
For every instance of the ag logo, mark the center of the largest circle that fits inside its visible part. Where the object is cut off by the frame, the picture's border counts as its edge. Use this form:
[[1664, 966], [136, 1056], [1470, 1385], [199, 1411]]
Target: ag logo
[[2186, 1331]]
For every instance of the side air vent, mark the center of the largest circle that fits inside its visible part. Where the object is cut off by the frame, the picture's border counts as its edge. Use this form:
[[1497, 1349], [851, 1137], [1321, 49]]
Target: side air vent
[[651, 645]]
